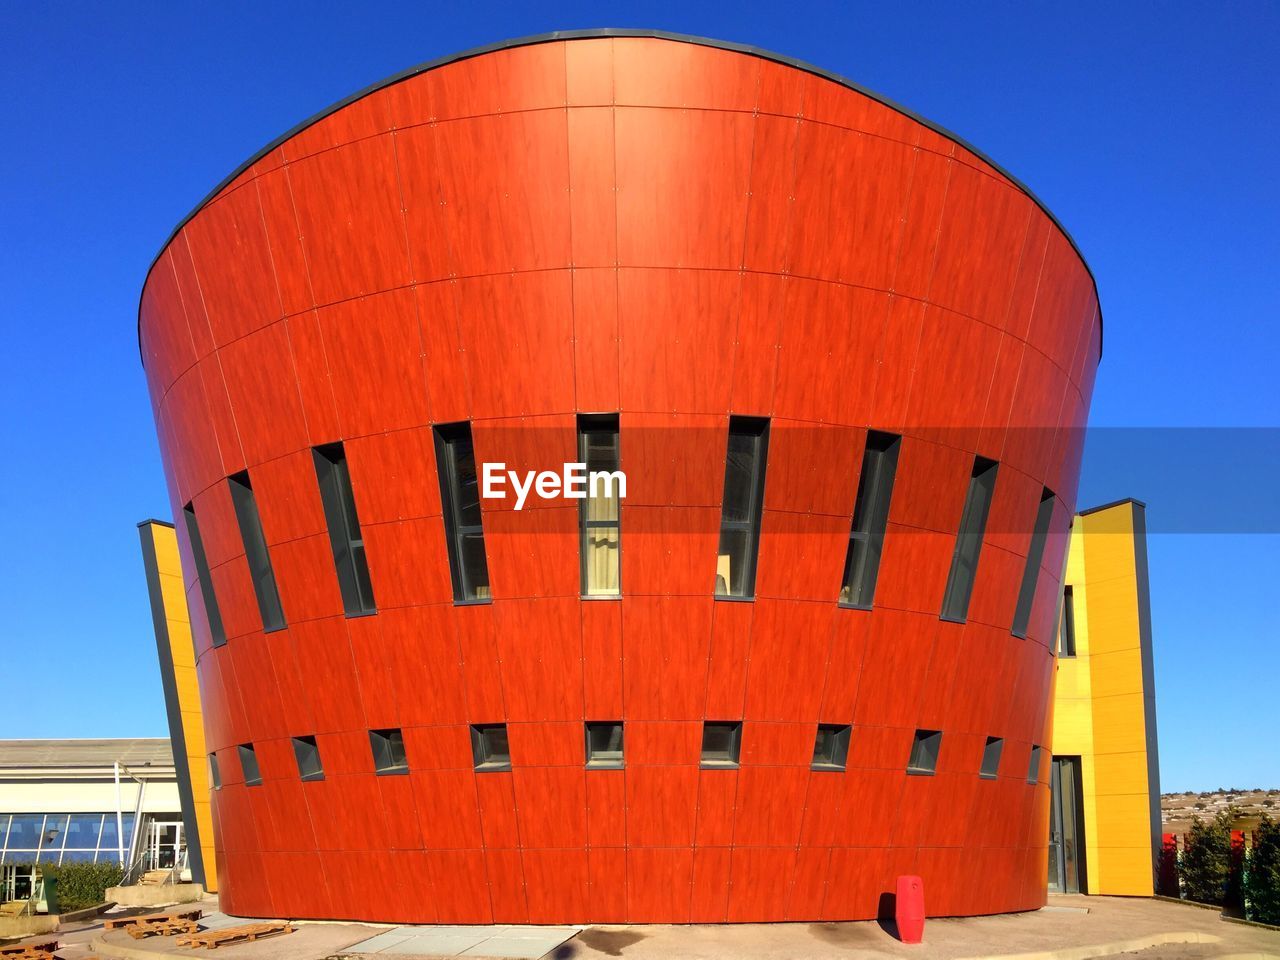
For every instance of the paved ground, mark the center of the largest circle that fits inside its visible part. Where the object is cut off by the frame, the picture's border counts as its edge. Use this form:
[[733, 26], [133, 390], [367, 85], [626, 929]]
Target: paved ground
[[527, 943], [1064, 931], [310, 941], [1059, 931]]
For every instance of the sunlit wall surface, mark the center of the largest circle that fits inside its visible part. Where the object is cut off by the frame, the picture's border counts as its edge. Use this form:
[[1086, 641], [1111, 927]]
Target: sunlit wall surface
[[176, 655], [841, 360], [1104, 701]]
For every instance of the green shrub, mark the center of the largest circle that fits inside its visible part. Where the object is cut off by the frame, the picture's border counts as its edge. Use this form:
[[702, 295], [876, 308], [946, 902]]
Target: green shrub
[[1262, 874], [1205, 864], [82, 885]]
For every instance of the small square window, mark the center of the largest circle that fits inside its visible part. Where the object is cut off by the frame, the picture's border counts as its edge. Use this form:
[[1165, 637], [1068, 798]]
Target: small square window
[[924, 752], [831, 747], [991, 758], [388, 752], [1033, 768], [249, 765], [490, 748], [215, 778], [721, 744], [307, 753], [604, 744]]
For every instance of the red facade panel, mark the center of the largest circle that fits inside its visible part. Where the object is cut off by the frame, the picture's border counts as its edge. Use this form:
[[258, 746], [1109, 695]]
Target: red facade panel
[[675, 233]]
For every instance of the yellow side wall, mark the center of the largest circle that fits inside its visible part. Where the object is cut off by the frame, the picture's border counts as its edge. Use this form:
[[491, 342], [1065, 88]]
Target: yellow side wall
[[182, 654], [1104, 700]]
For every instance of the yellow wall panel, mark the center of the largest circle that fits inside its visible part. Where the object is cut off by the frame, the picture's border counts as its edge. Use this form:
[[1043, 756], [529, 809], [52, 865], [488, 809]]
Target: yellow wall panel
[[1121, 773], [174, 645], [1103, 711], [1117, 724], [1113, 673], [1125, 872], [1120, 820], [1073, 681], [174, 594]]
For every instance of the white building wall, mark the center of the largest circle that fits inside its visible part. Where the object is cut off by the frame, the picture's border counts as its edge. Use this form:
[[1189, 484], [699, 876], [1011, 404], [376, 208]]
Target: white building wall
[[34, 796]]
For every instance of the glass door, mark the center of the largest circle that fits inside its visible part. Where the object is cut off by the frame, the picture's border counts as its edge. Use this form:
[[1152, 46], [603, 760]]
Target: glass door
[[1066, 827], [164, 844], [17, 882]]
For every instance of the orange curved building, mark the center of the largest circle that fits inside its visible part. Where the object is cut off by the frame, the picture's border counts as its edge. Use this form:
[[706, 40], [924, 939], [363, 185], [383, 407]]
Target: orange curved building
[[843, 361]]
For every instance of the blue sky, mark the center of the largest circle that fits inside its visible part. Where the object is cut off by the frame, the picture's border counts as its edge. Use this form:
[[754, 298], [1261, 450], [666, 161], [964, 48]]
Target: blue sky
[[1150, 130]]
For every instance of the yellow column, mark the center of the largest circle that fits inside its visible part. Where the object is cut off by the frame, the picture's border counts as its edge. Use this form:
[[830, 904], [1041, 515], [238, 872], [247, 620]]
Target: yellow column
[[1104, 708], [182, 691]]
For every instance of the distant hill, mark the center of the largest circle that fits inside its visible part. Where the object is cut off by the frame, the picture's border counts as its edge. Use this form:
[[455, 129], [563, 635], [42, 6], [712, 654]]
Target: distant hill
[[1177, 810]]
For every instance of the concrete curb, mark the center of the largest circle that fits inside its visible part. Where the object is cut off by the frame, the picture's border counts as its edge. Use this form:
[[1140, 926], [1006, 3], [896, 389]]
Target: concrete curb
[[1251, 923], [1216, 908], [86, 913], [101, 947], [1109, 949]]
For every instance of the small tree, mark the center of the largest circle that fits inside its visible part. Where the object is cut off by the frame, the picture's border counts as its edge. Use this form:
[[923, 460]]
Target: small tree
[[1206, 859], [1262, 874]]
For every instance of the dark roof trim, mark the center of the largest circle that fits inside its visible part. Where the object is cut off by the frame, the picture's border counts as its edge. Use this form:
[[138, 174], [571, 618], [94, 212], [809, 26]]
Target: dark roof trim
[[1114, 503], [605, 32]]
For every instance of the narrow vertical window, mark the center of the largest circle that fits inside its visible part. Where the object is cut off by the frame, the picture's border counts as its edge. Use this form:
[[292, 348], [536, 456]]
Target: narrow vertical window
[[1067, 625], [216, 631], [870, 516], [924, 752], [344, 529], [307, 753], [598, 515], [255, 552], [973, 525], [249, 765], [1035, 554], [991, 758], [1033, 767], [490, 748], [215, 777], [743, 501], [460, 497]]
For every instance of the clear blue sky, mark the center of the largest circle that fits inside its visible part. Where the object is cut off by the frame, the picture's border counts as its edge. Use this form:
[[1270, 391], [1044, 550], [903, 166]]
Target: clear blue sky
[[1150, 130]]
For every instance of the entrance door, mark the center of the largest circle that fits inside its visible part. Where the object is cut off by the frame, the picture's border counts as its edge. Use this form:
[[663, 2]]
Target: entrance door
[[17, 882], [1066, 827], [164, 843]]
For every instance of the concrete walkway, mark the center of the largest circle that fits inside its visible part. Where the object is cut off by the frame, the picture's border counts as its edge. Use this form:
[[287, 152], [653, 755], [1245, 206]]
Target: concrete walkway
[[524, 942], [1072, 928], [1112, 926]]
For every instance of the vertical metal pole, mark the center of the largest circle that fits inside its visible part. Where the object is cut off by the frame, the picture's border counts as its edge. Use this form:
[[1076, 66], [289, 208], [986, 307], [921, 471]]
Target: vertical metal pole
[[119, 815]]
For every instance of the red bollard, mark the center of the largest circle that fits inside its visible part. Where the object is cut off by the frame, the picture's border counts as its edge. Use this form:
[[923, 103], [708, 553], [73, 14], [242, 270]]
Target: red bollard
[[909, 909]]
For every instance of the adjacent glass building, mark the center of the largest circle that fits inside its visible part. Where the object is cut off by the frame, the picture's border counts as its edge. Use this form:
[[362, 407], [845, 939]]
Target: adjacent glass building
[[844, 362], [69, 801]]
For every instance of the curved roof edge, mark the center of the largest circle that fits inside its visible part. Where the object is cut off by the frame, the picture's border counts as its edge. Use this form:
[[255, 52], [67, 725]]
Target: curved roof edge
[[603, 33]]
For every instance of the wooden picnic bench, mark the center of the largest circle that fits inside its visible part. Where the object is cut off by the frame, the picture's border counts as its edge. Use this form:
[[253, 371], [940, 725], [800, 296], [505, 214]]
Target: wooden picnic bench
[[39, 950], [229, 935], [186, 914]]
